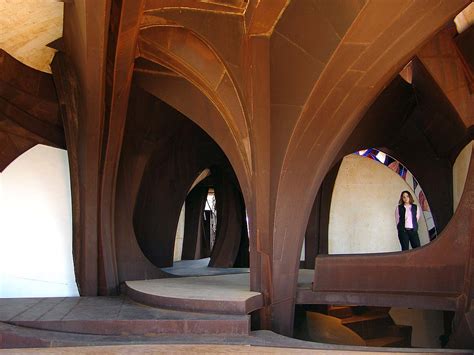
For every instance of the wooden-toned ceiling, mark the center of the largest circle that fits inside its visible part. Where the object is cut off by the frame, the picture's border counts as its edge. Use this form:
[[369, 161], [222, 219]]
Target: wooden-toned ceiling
[[27, 26]]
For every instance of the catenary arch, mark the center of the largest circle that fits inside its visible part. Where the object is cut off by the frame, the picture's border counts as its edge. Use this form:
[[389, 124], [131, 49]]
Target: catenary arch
[[163, 153], [362, 205], [336, 103], [219, 109], [411, 181]]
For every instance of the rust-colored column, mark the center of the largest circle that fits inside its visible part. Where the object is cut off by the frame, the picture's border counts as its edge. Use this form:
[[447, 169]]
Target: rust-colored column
[[230, 221], [259, 209], [194, 207], [316, 236]]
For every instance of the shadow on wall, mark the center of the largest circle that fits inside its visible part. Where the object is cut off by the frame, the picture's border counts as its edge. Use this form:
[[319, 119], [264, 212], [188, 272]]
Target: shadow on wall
[[36, 226], [427, 325]]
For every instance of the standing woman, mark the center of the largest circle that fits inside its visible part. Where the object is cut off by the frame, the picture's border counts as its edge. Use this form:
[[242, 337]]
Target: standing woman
[[407, 215]]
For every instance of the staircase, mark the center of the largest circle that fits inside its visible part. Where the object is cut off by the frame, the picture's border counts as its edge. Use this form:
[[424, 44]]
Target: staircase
[[374, 325]]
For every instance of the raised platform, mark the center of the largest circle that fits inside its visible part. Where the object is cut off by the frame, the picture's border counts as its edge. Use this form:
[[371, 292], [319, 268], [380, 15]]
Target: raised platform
[[223, 294], [114, 316]]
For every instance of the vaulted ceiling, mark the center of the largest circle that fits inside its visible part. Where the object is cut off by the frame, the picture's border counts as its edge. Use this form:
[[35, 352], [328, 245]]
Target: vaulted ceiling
[[279, 85]]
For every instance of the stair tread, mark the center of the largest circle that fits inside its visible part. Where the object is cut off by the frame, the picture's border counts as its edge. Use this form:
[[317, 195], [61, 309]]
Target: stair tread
[[365, 317], [340, 312], [373, 324], [384, 341]]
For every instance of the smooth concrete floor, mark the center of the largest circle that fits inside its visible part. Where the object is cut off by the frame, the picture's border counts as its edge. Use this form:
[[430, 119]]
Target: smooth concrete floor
[[230, 288], [200, 268]]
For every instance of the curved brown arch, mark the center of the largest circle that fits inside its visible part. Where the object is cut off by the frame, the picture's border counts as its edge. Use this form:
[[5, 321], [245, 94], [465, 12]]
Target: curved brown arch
[[166, 45], [337, 102], [439, 273], [228, 18], [165, 183], [295, 77], [29, 110], [164, 152], [235, 7], [184, 96]]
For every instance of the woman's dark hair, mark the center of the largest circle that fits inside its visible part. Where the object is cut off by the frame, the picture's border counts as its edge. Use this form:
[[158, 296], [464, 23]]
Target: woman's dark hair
[[412, 201]]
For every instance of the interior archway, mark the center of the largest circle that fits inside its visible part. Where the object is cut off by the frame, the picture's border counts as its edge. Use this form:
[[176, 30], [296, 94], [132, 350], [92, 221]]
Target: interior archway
[[362, 212], [167, 152]]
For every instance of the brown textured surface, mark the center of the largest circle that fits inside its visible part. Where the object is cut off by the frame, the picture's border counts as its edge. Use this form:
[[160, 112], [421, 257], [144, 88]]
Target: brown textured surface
[[316, 235], [279, 100], [437, 269], [259, 341], [196, 243], [114, 316], [441, 58], [171, 166], [29, 111], [463, 43], [417, 125], [348, 84]]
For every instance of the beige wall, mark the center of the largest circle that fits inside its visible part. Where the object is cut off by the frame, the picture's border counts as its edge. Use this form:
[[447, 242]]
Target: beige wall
[[36, 226], [426, 325], [27, 26], [362, 215], [460, 168]]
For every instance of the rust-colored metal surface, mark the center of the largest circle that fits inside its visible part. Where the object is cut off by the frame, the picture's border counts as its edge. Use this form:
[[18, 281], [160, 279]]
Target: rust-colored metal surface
[[196, 242], [466, 53], [406, 118], [441, 269], [359, 68], [170, 170], [113, 316], [29, 110], [279, 86], [231, 245], [447, 65]]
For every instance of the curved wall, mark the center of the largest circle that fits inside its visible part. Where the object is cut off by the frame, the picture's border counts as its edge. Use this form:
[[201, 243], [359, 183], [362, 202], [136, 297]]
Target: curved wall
[[36, 226], [460, 168]]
